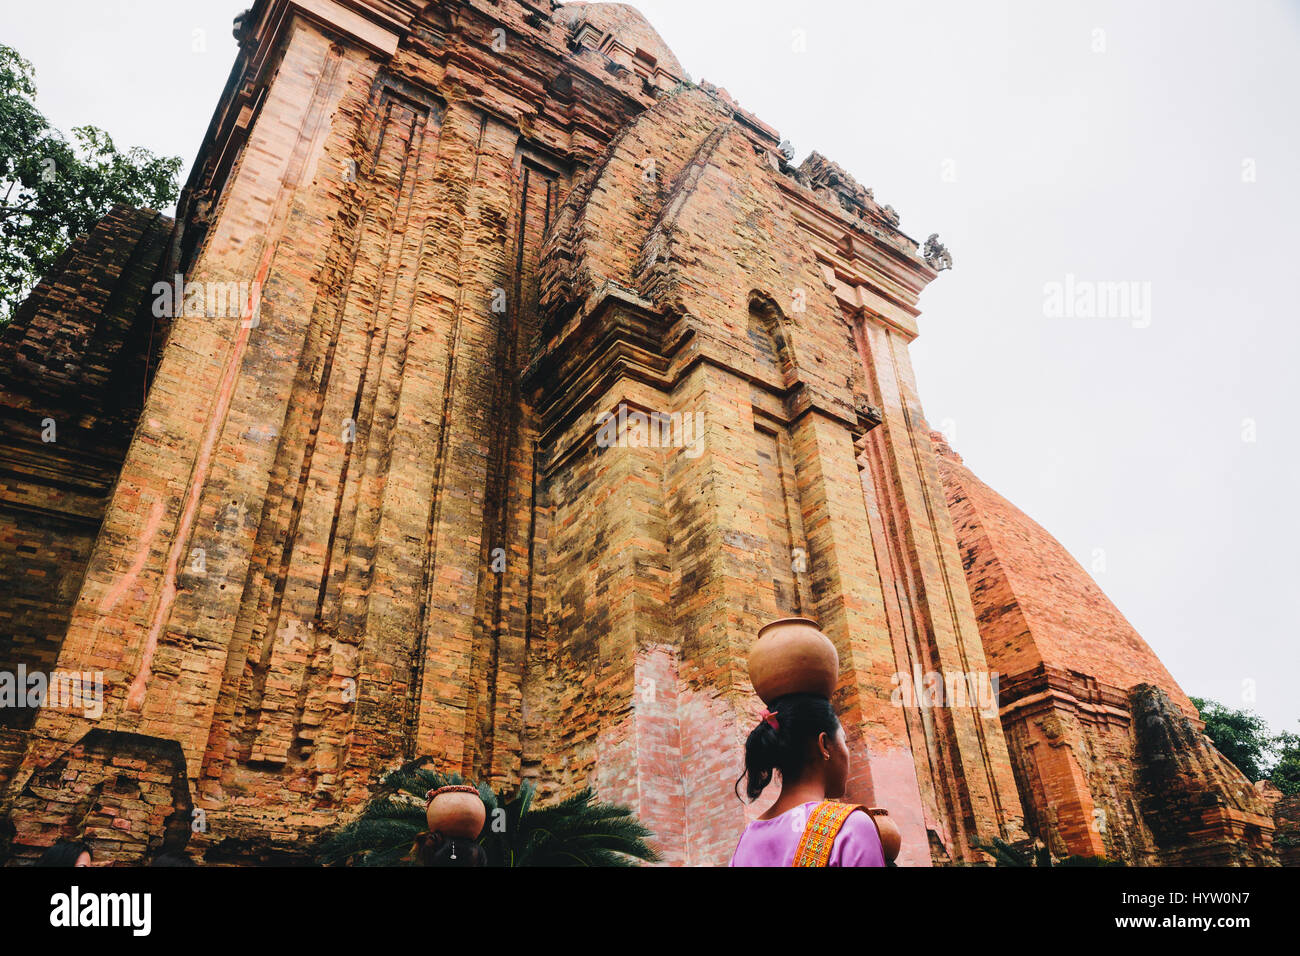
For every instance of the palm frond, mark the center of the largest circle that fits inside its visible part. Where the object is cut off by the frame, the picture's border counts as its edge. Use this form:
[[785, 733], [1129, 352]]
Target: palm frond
[[577, 831], [1004, 854]]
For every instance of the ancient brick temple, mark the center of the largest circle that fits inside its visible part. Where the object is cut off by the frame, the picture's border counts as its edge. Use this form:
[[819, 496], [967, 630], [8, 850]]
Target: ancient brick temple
[[493, 385]]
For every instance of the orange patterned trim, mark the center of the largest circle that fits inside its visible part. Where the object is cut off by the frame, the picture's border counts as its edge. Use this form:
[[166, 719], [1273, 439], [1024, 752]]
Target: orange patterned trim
[[819, 833]]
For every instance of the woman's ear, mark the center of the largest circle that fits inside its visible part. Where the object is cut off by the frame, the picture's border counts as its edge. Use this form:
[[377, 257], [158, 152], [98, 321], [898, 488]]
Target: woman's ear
[[825, 744]]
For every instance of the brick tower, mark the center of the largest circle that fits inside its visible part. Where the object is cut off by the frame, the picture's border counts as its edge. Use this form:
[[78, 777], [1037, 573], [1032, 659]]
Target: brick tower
[[512, 382]]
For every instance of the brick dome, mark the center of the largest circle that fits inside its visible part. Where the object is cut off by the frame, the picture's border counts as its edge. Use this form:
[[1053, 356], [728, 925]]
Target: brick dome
[[627, 26]]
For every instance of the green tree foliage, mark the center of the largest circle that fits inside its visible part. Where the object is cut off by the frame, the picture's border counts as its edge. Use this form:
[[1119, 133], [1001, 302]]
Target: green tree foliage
[[576, 832], [1244, 738], [1285, 774], [1241, 736], [53, 190]]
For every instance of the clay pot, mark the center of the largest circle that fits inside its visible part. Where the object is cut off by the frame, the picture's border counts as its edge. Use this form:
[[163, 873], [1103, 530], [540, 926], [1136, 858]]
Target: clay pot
[[891, 838], [792, 656], [456, 812]]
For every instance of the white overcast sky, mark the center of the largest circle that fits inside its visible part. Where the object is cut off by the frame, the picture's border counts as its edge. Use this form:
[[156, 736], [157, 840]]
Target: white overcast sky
[[1034, 155]]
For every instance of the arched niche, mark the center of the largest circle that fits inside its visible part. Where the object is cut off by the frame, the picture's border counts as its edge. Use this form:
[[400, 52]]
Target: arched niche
[[769, 339]]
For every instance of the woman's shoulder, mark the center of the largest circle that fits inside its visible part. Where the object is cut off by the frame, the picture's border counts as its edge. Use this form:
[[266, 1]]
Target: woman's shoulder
[[858, 842]]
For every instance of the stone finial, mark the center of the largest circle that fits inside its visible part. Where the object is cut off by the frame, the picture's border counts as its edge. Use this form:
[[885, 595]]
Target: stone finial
[[241, 21], [830, 181], [936, 254]]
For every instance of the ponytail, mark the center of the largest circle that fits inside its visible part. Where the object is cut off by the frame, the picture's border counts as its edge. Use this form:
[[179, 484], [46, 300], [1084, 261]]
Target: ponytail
[[783, 738]]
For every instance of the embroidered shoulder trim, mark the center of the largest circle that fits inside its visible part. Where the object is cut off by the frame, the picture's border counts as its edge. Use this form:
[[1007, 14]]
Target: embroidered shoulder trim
[[819, 833]]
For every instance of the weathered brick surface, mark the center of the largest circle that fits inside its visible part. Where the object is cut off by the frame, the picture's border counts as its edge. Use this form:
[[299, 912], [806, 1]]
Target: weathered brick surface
[[1201, 810], [384, 519], [1286, 837], [126, 795], [75, 368]]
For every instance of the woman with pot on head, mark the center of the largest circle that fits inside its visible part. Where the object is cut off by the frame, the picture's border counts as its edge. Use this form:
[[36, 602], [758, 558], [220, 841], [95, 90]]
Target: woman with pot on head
[[794, 668], [434, 849], [455, 815]]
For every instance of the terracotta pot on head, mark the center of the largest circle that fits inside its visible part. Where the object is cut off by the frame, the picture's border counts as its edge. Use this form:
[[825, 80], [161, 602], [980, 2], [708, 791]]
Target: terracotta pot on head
[[891, 838], [792, 656], [456, 811]]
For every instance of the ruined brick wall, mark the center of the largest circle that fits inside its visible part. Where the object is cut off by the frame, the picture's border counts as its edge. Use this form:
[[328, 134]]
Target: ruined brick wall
[[125, 794], [73, 368], [1286, 837], [1201, 810]]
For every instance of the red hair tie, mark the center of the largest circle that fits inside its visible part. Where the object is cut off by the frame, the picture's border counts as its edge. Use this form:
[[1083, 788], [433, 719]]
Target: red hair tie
[[769, 717]]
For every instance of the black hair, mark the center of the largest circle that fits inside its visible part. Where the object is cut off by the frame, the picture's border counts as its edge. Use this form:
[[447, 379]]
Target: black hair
[[434, 849], [800, 719], [172, 859], [64, 853]]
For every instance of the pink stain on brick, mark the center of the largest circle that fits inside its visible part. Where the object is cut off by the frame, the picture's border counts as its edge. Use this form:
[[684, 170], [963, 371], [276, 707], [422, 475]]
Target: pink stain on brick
[[119, 590], [167, 596]]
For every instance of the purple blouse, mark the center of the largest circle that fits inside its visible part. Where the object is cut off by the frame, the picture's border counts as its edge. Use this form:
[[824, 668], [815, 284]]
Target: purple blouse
[[773, 842]]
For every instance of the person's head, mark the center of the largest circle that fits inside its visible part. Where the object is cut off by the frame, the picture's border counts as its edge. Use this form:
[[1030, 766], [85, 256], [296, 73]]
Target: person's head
[[434, 849], [66, 853], [803, 739]]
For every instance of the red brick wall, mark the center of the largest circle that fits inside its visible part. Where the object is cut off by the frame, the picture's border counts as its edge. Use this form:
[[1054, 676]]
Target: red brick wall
[[73, 366]]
